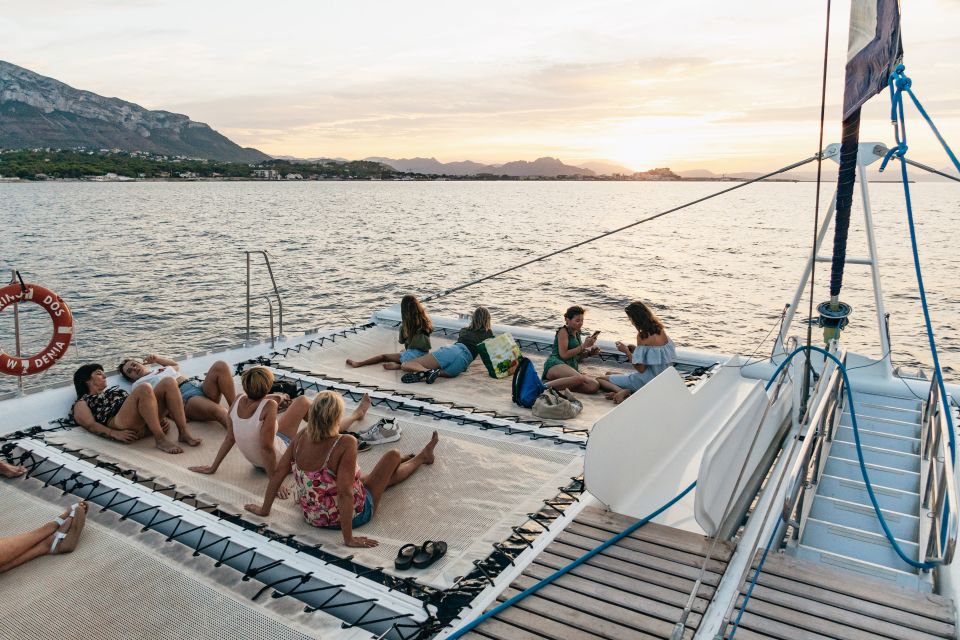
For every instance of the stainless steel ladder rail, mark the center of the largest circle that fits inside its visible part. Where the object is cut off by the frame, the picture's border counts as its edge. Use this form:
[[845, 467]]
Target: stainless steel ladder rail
[[268, 296], [938, 491]]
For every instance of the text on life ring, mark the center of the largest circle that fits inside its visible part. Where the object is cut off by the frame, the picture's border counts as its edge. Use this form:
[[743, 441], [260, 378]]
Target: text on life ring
[[62, 329]]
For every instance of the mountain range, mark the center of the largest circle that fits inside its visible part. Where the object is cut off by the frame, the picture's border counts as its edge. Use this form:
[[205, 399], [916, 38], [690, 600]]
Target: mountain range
[[37, 111], [546, 167]]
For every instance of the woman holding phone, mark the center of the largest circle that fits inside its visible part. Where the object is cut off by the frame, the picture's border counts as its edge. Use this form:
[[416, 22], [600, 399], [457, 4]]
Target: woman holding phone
[[653, 353], [562, 368]]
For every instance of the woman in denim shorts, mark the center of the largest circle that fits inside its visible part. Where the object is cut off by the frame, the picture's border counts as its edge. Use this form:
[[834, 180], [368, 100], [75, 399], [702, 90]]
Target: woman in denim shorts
[[449, 362]]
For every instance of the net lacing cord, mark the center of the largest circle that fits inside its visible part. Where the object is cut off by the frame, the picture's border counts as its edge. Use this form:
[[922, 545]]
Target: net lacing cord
[[485, 569], [900, 83], [34, 461], [545, 256]]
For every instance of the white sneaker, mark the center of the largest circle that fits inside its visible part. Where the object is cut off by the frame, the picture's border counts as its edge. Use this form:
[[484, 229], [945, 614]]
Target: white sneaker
[[384, 431]]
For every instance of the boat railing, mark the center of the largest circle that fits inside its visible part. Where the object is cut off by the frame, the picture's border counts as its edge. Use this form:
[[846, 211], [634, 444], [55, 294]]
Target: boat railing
[[269, 296], [939, 495], [816, 433]]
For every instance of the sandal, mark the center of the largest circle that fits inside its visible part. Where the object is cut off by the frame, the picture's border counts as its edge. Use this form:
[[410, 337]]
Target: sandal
[[429, 553], [410, 378], [405, 556], [66, 541], [432, 376]]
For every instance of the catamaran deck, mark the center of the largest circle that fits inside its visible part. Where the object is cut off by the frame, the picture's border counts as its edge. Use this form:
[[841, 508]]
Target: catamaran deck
[[638, 588]]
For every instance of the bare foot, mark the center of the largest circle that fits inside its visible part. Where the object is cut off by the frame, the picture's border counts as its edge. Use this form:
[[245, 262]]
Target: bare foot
[[391, 366], [352, 363], [11, 471], [427, 452], [168, 447], [620, 396], [188, 438], [362, 408]]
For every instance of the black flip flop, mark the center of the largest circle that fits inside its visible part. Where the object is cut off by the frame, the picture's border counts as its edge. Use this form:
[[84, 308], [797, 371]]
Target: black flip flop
[[362, 445], [410, 378], [405, 556], [429, 553]]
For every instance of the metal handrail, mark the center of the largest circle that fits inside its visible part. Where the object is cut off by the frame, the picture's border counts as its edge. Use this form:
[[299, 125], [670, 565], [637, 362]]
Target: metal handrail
[[268, 297], [939, 492], [820, 424]]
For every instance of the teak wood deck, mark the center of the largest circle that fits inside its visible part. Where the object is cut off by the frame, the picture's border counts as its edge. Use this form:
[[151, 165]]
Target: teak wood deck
[[638, 588]]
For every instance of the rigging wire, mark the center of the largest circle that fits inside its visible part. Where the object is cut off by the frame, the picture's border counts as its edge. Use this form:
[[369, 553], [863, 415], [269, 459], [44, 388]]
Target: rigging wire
[[816, 212], [790, 167]]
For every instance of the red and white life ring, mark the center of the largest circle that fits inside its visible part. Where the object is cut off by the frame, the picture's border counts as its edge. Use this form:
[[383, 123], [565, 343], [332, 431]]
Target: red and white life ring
[[62, 329]]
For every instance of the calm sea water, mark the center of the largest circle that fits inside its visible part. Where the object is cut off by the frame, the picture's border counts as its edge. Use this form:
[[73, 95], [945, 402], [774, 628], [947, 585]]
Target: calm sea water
[[159, 267]]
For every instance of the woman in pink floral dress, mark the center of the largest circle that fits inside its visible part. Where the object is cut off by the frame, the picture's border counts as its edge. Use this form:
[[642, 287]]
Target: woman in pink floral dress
[[326, 473]]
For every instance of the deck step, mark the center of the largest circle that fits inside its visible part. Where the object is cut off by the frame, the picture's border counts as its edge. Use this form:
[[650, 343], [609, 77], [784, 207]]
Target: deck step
[[902, 404], [856, 491], [877, 456], [860, 516], [857, 543], [879, 475], [903, 444], [908, 580], [895, 427]]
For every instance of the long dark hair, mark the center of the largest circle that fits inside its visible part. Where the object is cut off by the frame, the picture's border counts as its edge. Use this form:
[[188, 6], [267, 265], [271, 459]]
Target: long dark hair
[[414, 318], [645, 320], [82, 375]]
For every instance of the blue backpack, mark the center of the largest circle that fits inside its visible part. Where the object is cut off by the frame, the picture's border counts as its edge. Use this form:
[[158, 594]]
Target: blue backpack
[[526, 383]]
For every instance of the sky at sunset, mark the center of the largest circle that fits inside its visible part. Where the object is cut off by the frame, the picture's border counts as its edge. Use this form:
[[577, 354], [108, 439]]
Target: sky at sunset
[[687, 84]]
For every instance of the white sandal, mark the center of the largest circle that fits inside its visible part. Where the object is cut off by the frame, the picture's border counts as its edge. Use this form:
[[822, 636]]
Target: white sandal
[[61, 535]]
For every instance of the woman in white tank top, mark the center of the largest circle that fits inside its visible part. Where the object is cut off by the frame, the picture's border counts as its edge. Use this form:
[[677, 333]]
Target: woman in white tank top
[[254, 427]]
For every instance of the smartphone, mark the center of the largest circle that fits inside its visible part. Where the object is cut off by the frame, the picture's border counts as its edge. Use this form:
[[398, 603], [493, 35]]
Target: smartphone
[[596, 333]]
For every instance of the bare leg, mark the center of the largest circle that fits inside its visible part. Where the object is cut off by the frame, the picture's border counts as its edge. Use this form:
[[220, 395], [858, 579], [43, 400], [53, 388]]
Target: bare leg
[[562, 376], [203, 409], [357, 415], [606, 385], [394, 468], [219, 383], [170, 402], [16, 550], [141, 409], [11, 471], [423, 363], [289, 421], [383, 357]]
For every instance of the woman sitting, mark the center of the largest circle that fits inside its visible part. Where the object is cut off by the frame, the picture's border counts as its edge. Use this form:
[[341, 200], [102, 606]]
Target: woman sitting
[[562, 368], [653, 354], [449, 362], [121, 416], [330, 488], [258, 429], [415, 330]]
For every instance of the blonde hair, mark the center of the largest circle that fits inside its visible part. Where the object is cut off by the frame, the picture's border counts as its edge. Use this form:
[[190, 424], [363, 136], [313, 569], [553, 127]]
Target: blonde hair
[[257, 382], [480, 320], [323, 419]]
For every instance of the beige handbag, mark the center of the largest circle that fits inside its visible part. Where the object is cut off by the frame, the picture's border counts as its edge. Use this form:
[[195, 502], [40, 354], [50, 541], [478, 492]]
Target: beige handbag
[[557, 405]]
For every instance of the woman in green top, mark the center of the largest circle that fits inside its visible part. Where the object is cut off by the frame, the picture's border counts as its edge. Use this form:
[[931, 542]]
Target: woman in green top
[[562, 368], [451, 361], [415, 330]]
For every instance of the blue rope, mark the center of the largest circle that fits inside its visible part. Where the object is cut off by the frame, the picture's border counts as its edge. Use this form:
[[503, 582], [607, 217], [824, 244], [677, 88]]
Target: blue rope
[[866, 480], [898, 84], [573, 565]]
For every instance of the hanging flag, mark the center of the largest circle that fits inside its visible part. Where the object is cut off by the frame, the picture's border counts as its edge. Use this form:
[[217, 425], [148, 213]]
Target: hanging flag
[[874, 49]]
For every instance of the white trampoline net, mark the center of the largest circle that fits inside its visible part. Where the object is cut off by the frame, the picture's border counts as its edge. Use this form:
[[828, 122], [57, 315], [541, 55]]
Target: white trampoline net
[[474, 387], [121, 584], [481, 485]]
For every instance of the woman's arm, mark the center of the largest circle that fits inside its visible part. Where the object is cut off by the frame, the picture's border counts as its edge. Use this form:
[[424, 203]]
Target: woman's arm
[[84, 417], [283, 468], [563, 338], [268, 437], [346, 470], [161, 360], [228, 441]]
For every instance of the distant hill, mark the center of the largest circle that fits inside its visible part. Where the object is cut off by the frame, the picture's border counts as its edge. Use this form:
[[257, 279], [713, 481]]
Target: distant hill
[[37, 111], [545, 167], [604, 168]]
